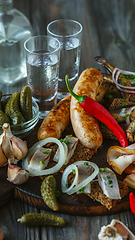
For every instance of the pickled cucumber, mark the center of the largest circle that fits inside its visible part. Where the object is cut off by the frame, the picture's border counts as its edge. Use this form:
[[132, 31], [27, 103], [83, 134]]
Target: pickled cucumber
[[3, 117], [40, 219], [26, 102], [48, 192], [12, 109]]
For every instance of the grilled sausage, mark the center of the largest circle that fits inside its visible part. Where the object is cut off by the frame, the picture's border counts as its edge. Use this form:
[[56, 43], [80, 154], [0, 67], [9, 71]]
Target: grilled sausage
[[56, 120], [85, 126]]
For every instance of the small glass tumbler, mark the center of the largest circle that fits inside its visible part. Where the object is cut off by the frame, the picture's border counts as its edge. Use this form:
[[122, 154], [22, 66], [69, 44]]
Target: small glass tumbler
[[69, 33], [42, 61]]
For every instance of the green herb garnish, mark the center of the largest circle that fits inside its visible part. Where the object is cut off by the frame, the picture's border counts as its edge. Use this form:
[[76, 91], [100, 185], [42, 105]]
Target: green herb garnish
[[102, 169], [109, 96], [132, 76], [57, 193], [46, 152], [116, 157], [86, 163], [124, 76], [73, 171], [110, 181], [42, 161], [124, 84], [82, 190], [111, 91], [124, 104], [127, 115], [66, 142], [70, 135]]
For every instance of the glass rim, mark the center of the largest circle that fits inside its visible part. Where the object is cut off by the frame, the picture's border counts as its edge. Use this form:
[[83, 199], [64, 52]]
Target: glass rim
[[64, 20], [42, 53]]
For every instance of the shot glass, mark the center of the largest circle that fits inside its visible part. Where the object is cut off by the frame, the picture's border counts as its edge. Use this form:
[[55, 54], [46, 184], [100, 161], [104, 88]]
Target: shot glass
[[69, 33], [42, 61]]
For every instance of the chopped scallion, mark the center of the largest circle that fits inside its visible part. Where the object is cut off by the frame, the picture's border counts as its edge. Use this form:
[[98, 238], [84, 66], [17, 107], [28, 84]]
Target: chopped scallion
[[73, 171], [42, 161], [86, 163], [46, 152]]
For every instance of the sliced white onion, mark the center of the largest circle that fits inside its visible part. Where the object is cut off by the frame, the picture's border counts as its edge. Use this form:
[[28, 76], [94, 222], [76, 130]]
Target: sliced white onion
[[128, 112], [115, 77], [64, 180], [56, 168], [72, 189]]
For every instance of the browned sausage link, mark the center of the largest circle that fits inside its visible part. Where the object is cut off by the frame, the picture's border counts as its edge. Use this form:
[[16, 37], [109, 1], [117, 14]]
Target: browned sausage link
[[56, 120], [85, 126]]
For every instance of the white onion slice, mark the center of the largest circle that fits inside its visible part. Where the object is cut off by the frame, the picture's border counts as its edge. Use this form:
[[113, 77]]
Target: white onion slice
[[115, 77], [128, 112], [63, 156], [72, 189], [64, 180]]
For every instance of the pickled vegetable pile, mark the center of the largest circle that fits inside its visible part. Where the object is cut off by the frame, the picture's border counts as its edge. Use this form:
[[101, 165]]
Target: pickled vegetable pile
[[16, 109]]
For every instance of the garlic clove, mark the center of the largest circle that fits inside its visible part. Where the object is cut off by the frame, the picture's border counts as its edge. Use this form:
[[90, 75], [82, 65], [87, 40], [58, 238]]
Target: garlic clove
[[7, 148], [109, 232], [19, 148], [17, 175], [14, 144], [122, 229], [3, 159]]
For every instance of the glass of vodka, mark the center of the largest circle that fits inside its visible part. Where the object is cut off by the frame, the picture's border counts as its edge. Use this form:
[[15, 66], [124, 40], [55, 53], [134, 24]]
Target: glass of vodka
[[69, 33], [42, 61]]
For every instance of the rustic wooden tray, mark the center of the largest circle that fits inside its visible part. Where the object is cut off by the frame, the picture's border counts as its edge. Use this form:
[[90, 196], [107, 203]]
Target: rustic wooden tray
[[81, 204]]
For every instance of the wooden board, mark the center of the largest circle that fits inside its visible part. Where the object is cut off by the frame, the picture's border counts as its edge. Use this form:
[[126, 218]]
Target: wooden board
[[81, 204]]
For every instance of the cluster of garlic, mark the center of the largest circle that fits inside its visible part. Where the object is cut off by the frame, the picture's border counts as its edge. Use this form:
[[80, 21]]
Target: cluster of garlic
[[109, 233], [116, 230], [12, 148]]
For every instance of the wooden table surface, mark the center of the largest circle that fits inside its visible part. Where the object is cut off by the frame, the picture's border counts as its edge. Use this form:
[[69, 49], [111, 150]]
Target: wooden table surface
[[108, 31]]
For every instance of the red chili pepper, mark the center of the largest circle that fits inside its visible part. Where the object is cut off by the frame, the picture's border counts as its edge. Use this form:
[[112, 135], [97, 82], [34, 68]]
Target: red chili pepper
[[132, 202], [99, 112]]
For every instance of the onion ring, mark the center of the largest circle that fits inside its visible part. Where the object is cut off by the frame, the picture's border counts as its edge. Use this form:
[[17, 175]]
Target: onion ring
[[129, 112], [63, 155], [72, 189], [115, 78]]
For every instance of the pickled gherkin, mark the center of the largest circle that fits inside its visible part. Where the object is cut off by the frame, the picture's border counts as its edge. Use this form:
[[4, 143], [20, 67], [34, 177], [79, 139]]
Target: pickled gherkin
[[26, 102], [12, 109], [48, 192], [3, 117], [40, 219]]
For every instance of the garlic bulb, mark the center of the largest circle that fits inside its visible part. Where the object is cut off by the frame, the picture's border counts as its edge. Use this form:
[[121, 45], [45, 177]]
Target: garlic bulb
[[116, 230], [11, 146], [109, 233], [17, 175]]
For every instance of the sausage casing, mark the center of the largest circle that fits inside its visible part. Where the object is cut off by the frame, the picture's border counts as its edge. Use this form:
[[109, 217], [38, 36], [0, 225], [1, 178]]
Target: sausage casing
[[56, 120], [85, 126]]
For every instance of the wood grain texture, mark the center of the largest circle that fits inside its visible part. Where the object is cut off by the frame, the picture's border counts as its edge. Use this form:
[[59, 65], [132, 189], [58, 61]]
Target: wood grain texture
[[108, 31]]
